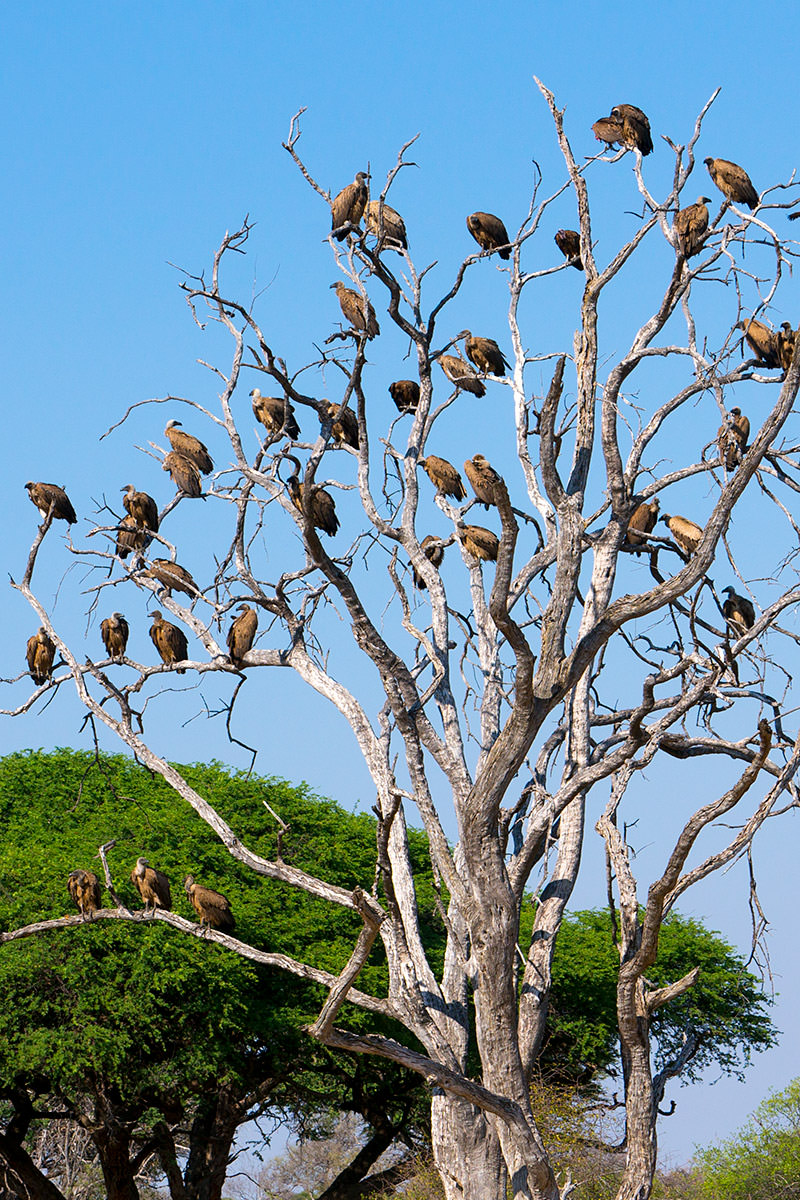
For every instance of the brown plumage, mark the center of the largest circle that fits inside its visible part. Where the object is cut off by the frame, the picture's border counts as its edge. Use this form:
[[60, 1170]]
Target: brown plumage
[[152, 886], [49, 495], [635, 127], [732, 438], [733, 181], [786, 339], [489, 232], [608, 130], [212, 907], [738, 611], [169, 641], [433, 550], [345, 425], [276, 414], [479, 542], [643, 520], [690, 225], [483, 479], [189, 446], [184, 474], [686, 533], [387, 225], [348, 207], [357, 310], [461, 374], [242, 633], [172, 576], [322, 508], [485, 353], [131, 536], [762, 340], [40, 652], [405, 393], [114, 631], [84, 888], [141, 507], [444, 477], [569, 243]]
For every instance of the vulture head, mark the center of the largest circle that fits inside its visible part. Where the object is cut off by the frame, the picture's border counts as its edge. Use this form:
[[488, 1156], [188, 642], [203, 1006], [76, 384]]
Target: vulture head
[[171, 425]]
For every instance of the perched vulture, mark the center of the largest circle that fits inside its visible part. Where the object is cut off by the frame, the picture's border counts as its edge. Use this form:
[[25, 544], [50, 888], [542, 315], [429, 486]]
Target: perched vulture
[[732, 438], [483, 478], [690, 225], [184, 474], [84, 888], [480, 542], [49, 495], [387, 225], [170, 642], [490, 233], [786, 336], [733, 181], [635, 127], [241, 633], [433, 550], [212, 907], [141, 507], [40, 653], [461, 374], [345, 425], [405, 393], [608, 130], [189, 446], [485, 353], [172, 576], [738, 611], [348, 207], [322, 508], [276, 414], [686, 533], [152, 886], [131, 536], [357, 310], [114, 631], [444, 477], [763, 341], [569, 243], [643, 520]]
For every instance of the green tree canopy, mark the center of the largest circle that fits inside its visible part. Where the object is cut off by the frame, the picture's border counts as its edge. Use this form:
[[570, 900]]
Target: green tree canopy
[[762, 1160]]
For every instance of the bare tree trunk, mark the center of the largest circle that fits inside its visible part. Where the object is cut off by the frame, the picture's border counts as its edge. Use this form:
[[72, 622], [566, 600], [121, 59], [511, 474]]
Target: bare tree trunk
[[640, 1115], [114, 1150], [466, 1150], [210, 1141]]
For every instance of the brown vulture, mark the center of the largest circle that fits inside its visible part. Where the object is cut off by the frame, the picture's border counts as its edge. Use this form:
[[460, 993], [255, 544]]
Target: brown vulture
[[212, 907], [114, 631], [763, 341], [635, 127], [733, 181], [732, 438], [131, 536], [483, 478], [172, 576], [405, 393], [357, 310], [643, 520], [169, 641], [40, 652], [461, 374], [84, 888], [322, 508], [485, 353], [490, 233], [348, 207], [49, 495], [433, 550], [387, 225], [189, 446], [786, 336], [345, 425], [152, 886], [608, 130], [184, 474], [241, 633], [690, 225], [480, 542], [141, 507], [569, 243], [738, 611], [444, 477], [686, 533], [276, 414]]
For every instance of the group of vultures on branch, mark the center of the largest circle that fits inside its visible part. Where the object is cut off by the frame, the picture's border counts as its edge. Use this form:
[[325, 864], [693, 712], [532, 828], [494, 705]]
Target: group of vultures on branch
[[212, 907]]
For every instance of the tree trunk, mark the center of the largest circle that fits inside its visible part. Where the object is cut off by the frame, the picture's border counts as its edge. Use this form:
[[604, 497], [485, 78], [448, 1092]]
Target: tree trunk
[[114, 1150], [640, 1115], [22, 1176], [210, 1140], [466, 1150]]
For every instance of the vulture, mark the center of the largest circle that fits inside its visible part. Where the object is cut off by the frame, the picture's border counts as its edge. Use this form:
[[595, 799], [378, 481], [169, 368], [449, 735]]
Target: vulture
[[690, 225], [433, 550], [461, 374], [405, 393], [733, 181], [189, 446], [738, 611], [322, 507], [643, 520], [569, 243], [172, 576], [357, 310], [485, 353], [141, 507], [762, 341], [635, 127], [212, 907], [480, 542], [184, 474], [40, 652], [49, 495], [686, 533], [241, 633], [786, 336], [84, 888], [444, 477], [732, 437], [275, 414], [608, 130], [348, 207], [387, 225], [114, 631], [152, 886], [131, 536], [170, 642], [490, 233], [483, 478], [345, 425]]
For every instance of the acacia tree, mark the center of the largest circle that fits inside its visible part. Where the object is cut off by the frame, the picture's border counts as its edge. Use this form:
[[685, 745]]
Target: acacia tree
[[505, 702]]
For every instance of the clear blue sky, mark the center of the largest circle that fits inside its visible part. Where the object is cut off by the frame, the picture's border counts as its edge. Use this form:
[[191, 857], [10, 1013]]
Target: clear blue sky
[[135, 136]]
